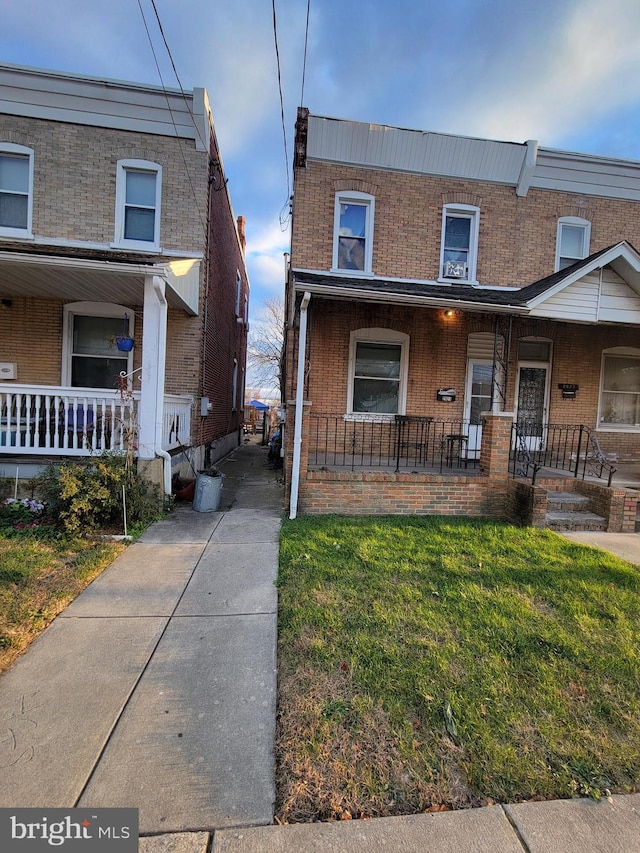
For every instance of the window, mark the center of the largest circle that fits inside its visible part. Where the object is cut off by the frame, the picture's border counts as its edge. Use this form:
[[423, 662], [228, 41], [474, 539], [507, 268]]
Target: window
[[91, 357], [620, 389], [138, 194], [459, 247], [234, 386], [238, 293], [353, 232], [572, 242], [16, 190], [378, 372]]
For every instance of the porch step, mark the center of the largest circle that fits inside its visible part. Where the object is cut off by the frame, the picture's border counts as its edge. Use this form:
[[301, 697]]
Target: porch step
[[571, 511], [567, 501], [567, 520]]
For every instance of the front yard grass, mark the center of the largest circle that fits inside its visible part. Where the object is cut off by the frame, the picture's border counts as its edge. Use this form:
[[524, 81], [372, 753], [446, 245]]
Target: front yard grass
[[39, 576], [430, 663]]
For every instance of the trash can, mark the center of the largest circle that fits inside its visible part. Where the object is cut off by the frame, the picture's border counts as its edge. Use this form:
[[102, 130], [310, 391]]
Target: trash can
[[208, 490]]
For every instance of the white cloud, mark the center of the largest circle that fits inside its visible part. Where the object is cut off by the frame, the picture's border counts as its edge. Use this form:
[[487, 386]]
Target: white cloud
[[587, 67]]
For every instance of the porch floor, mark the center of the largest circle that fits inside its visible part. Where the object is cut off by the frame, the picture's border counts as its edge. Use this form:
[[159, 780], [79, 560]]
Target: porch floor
[[627, 475], [383, 465]]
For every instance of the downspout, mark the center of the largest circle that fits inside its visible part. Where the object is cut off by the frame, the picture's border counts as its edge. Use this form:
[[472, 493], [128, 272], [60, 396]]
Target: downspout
[[297, 432], [162, 339]]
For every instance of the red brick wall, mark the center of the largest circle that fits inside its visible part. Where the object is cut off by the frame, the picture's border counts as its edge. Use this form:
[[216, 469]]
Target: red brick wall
[[517, 236], [225, 337], [382, 493]]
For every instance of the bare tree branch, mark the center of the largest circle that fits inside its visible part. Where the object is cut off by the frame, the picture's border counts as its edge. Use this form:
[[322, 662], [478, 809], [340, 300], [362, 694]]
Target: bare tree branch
[[265, 346]]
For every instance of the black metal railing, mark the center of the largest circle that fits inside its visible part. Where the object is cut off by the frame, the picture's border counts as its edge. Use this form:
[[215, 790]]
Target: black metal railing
[[563, 447], [400, 443]]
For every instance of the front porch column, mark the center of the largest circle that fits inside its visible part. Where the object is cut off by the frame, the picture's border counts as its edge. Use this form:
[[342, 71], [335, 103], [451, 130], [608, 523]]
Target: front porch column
[[154, 346], [496, 444]]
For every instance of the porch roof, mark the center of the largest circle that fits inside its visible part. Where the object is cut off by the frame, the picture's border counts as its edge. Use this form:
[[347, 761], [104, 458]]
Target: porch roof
[[619, 303], [407, 292], [95, 275]]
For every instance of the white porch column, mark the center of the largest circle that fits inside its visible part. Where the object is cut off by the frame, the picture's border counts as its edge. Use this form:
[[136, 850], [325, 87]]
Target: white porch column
[[154, 348]]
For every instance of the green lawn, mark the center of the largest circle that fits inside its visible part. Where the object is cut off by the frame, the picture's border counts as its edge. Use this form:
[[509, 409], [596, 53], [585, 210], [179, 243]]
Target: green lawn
[[39, 576], [431, 663]]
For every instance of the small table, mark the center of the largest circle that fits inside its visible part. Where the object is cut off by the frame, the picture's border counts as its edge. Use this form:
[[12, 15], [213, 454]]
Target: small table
[[454, 445]]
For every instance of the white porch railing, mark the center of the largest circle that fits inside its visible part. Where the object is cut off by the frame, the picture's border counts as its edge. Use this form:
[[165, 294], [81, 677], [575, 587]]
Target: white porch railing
[[176, 421], [58, 421]]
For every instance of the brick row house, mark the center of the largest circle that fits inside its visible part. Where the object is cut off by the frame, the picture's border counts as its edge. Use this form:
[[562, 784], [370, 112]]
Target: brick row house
[[123, 288], [463, 324]]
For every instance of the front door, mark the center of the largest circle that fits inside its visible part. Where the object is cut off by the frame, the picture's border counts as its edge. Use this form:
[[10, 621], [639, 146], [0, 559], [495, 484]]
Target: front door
[[532, 402], [477, 399]]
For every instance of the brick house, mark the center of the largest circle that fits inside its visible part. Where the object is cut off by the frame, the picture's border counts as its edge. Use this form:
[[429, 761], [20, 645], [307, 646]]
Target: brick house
[[123, 288], [462, 324]]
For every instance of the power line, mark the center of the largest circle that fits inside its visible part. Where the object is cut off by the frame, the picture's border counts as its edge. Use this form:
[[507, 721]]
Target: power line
[[175, 70], [284, 129], [166, 94], [304, 60]]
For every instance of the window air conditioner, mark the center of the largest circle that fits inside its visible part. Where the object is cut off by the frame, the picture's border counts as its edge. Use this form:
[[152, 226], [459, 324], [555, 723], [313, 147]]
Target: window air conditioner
[[455, 269]]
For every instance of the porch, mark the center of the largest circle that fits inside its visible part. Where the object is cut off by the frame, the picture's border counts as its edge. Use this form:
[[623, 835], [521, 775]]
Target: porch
[[48, 420], [425, 465]]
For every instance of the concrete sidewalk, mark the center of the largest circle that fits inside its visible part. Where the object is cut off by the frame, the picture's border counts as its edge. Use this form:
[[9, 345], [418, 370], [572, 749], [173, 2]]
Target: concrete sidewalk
[[156, 687]]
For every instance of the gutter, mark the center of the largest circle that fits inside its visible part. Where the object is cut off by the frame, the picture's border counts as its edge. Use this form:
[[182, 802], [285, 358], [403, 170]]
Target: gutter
[[158, 286], [297, 431], [407, 299]]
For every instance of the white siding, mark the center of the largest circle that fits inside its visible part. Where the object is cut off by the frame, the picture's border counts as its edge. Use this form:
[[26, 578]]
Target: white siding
[[586, 174], [104, 103], [618, 302], [380, 146], [383, 147], [577, 302], [598, 297]]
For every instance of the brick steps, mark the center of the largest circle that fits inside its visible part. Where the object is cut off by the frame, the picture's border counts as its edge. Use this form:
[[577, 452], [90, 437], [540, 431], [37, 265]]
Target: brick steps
[[570, 511]]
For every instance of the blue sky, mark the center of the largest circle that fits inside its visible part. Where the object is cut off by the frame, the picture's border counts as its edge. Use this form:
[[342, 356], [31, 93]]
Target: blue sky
[[564, 72]]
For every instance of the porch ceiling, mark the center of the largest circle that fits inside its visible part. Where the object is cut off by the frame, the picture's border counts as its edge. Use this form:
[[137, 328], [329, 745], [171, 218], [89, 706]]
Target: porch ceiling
[[78, 279]]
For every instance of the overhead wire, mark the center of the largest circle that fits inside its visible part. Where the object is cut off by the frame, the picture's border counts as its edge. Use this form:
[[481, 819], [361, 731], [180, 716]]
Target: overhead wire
[[284, 211], [304, 59], [166, 94]]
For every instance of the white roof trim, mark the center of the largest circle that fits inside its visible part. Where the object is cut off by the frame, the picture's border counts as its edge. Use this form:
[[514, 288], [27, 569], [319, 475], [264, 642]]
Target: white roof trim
[[116, 104], [622, 257], [403, 298]]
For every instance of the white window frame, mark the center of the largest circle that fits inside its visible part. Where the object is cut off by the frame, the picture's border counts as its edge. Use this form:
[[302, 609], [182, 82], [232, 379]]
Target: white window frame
[[90, 309], [234, 386], [618, 352], [20, 151], [364, 200], [462, 211], [378, 336], [238, 293], [575, 222], [123, 167]]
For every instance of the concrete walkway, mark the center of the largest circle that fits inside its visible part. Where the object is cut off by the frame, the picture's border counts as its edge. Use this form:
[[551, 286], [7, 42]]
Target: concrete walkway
[[156, 687], [624, 545]]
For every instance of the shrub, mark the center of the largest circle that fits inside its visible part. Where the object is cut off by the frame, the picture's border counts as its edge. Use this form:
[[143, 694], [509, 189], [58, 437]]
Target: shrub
[[86, 494]]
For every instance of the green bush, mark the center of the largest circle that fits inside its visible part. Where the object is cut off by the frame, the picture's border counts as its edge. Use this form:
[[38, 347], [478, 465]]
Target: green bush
[[85, 495]]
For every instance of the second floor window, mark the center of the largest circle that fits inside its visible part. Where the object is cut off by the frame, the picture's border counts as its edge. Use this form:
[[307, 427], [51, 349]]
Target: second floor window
[[459, 247], [16, 181], [353, 231], [138, 193], [572, 241]]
